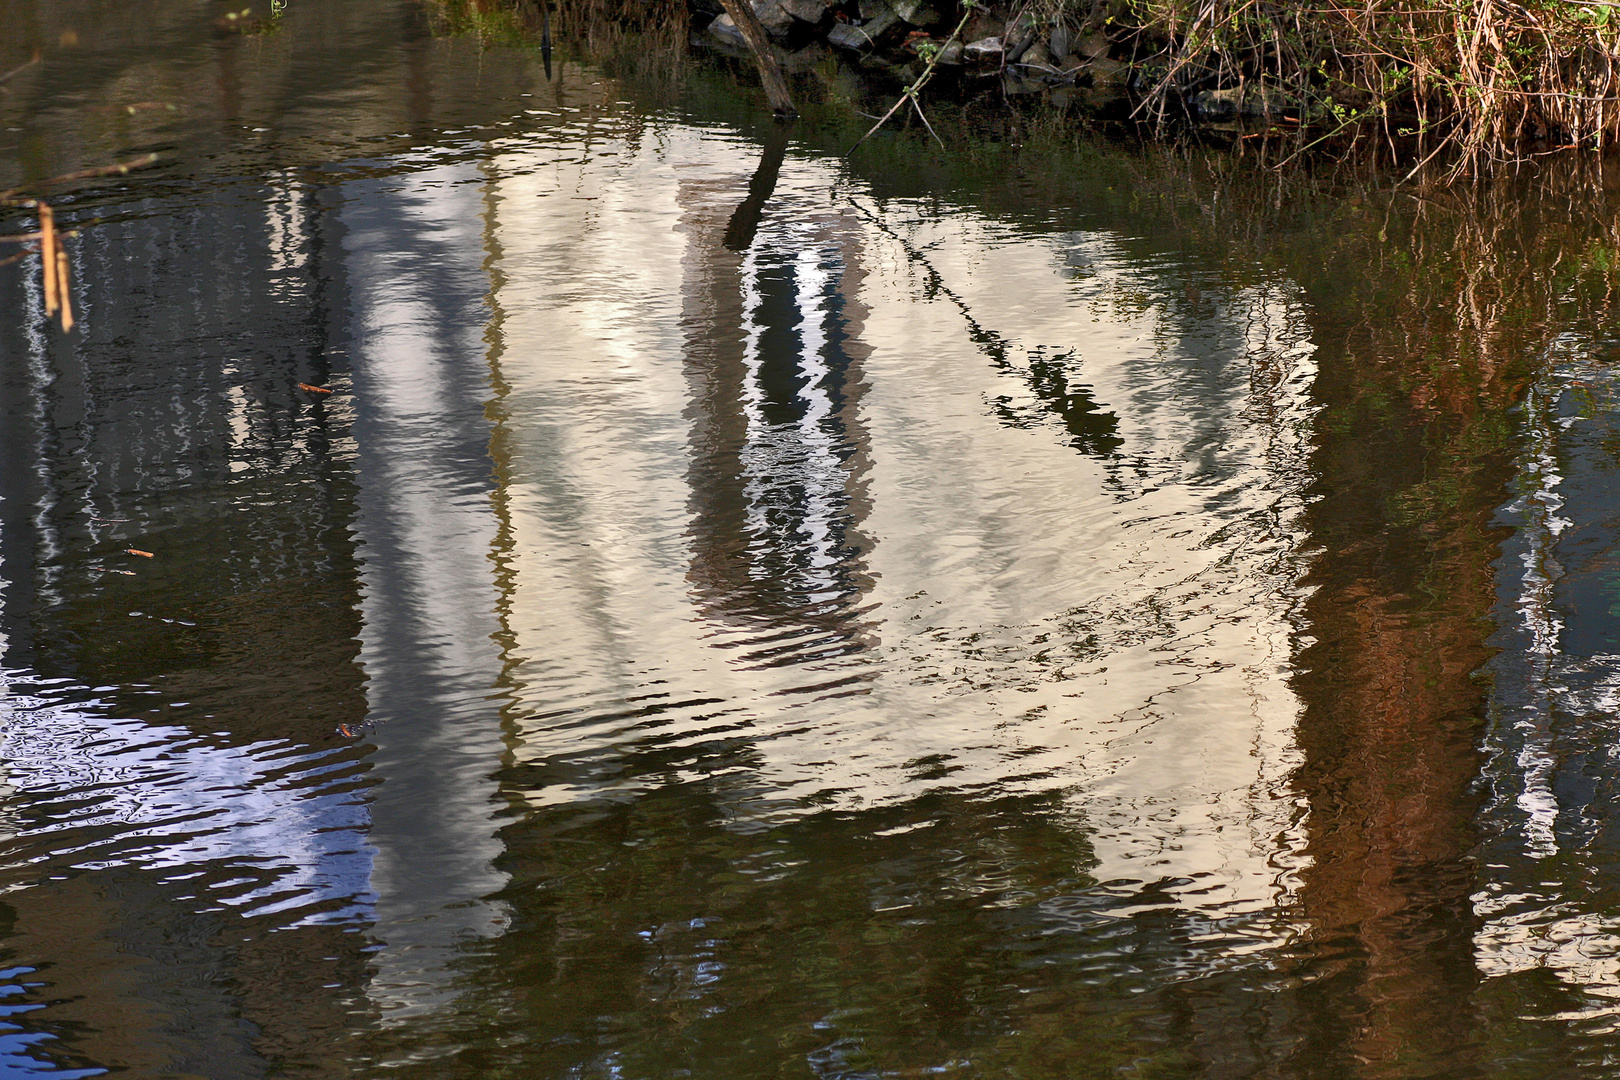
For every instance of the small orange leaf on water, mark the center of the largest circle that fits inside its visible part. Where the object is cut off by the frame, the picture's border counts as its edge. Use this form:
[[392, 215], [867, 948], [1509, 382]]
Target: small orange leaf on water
[[138, 551], [313, 389]]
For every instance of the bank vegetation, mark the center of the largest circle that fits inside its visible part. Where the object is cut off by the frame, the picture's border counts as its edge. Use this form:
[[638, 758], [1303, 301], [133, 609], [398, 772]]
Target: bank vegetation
[[1469, 84]]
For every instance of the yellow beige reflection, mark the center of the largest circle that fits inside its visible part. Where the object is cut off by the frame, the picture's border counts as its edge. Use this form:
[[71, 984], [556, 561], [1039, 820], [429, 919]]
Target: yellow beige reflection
[[899, 559]]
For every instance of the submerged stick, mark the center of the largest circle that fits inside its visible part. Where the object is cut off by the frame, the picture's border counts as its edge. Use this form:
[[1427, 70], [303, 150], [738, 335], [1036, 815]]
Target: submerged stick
[[117, 168], [20, 68], [64, 294], [53, 265]]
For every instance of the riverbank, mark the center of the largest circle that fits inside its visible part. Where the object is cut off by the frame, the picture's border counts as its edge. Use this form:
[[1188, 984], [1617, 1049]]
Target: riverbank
[[1472, 85], [1479, 83]]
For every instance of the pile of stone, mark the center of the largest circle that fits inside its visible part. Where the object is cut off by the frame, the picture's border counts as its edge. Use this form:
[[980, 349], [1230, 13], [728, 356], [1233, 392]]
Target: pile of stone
[[891, 38], [893, 34]]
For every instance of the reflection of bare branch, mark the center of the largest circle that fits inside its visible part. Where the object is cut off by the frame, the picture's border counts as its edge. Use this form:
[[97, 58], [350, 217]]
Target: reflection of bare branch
[[995, 347], [19, 69], [1092, 430]]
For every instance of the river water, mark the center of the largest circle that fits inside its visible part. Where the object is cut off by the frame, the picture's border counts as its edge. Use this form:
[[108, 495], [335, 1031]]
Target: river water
[[730, 610]]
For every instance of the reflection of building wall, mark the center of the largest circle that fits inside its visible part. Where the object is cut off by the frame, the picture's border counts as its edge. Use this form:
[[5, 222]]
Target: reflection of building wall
[[177, 426], [1547, 907], [1143, 635], [353, 72], [1401, 588], [773, 358], [198, 789]]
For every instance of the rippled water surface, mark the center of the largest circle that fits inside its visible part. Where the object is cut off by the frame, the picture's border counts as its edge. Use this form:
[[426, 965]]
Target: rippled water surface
[[634, 593]]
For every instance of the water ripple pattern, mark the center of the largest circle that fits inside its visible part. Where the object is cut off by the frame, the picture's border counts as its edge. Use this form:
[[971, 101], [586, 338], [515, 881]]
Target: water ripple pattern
[[270, 828]]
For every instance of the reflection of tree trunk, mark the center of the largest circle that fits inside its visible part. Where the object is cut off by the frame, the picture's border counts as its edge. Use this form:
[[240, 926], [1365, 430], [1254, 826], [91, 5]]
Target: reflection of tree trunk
[[745, 219], [770, 72], [1391, 724]]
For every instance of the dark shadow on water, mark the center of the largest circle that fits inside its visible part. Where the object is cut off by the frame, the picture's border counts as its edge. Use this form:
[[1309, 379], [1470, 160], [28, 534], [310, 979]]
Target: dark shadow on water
[[744, 223]]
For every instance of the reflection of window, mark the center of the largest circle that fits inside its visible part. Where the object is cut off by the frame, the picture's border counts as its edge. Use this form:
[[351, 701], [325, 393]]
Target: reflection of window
[[794, 458]]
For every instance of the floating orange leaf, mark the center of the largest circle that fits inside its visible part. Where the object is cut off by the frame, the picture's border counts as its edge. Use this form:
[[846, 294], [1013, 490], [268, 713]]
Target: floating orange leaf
[[138, 551], [313, 389]]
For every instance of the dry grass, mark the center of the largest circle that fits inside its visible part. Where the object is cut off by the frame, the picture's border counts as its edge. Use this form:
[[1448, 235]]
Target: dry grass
[[1478, 82]]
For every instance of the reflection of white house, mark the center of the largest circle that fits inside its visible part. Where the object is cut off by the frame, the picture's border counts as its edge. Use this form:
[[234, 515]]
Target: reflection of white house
[[981, 606], [101, 789]]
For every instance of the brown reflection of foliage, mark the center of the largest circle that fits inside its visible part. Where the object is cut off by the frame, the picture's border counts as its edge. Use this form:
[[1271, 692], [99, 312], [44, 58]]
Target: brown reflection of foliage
[[1417, 376]]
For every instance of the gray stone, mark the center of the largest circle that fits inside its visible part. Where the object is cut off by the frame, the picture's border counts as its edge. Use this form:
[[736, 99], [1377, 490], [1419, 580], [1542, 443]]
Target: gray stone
[[982, 25], [776, 21], [862, 38], [806, 58], [726, 30], [950, 54], [1092, 47], [1059, 41], [984, 49], [915, 12], [773, 17], [810, 11], [1106, 72], [1229, 102]]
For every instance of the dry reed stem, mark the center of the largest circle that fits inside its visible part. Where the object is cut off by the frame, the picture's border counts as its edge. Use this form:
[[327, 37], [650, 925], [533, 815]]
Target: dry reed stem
[[55, 269], [64, 293], [117, 168], [1489, 81], [49, 264]]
